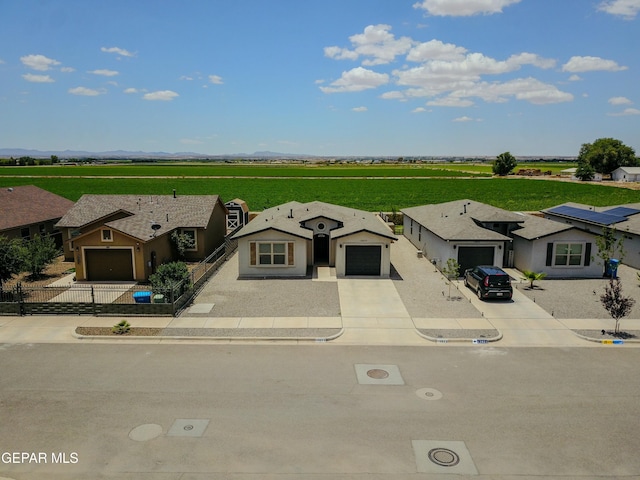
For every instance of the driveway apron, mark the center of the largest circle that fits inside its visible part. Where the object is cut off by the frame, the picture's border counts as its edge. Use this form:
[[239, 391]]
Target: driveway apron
[[523, 322], [373, 313]]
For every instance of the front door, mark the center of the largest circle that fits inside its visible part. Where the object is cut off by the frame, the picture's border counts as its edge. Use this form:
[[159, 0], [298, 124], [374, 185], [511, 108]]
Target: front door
[[321, 249]]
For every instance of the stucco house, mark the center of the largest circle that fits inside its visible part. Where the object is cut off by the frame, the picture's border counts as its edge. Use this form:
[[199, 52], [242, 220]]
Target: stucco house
[[286, 240], [28, 210], [125, 237], [624, 219], [626, 174], [471, 232], [558, 249], [474, 234]]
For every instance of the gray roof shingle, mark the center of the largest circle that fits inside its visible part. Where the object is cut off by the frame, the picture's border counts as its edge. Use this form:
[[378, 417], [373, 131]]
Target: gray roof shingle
[[183, 211], [288, 217], [458, 220]]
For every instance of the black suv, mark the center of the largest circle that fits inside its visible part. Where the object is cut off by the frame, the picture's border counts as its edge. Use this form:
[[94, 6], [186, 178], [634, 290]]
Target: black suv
[[489, 282]]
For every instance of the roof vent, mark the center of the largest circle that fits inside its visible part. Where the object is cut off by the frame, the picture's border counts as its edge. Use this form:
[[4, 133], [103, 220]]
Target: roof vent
[[10, 189]]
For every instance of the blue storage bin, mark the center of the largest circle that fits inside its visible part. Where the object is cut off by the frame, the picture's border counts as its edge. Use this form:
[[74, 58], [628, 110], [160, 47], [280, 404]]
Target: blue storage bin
[[142, 297]]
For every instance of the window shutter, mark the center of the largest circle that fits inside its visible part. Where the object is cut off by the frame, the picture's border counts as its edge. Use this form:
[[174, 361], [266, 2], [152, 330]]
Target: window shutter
[[290, 253], [252, 249], [549, 254], [587, 255]]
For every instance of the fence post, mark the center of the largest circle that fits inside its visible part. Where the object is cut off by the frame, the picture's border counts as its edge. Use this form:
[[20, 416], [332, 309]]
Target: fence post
[[20, 299]]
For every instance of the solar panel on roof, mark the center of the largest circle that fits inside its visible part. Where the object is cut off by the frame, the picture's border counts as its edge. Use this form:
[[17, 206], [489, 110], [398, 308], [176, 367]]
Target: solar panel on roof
[[587, 215], [622, 211]]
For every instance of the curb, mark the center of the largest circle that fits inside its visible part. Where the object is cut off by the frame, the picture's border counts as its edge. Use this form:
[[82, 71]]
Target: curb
[[161, 338], [474, 341], [608, 341]]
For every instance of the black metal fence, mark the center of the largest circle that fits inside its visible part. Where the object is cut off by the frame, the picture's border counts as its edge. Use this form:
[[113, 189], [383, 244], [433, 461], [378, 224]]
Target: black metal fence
[[113, 299]]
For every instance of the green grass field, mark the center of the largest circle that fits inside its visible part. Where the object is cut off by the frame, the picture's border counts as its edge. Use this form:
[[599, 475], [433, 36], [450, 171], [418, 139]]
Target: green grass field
[[374, 194], [235, 170]]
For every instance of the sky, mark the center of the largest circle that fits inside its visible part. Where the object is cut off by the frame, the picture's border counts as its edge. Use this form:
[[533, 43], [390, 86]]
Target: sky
[[327, 78]]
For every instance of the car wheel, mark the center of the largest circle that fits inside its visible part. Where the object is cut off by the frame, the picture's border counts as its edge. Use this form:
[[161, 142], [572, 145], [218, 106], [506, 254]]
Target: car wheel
[[466, 283], [479, 292]]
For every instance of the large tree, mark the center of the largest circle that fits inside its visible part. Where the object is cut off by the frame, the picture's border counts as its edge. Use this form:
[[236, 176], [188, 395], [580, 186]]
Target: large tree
[[607, 154], [504, 164], [38, 253]]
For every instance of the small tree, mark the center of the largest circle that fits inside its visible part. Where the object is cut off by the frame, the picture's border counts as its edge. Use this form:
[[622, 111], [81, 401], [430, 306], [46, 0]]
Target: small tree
[[37, 254], [615, 303], [504, 164], [168, 276], [531, 276], [452, 270], [10, 258], [183, 242], [608, 246], [585, 171]]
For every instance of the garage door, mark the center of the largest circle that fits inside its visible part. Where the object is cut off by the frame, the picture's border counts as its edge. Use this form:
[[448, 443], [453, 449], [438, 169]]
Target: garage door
[[114, 265], [363, 260], [469, 257]]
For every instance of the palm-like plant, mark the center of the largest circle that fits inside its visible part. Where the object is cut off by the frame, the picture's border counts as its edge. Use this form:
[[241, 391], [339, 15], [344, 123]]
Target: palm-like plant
[[532, 276]]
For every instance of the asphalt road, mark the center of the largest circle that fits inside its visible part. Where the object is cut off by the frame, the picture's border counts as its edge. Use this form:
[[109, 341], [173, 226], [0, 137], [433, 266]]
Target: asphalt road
[[194, 412]]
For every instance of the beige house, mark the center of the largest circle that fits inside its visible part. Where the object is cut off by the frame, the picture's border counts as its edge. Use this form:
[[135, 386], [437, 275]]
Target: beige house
[[125, 237], [288, 240]]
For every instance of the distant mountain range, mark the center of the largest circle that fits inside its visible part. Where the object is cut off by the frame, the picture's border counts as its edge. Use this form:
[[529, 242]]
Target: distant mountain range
[[23, 152]]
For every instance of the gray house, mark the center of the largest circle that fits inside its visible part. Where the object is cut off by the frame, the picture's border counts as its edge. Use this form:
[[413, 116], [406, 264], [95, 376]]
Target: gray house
[[624, 219], [558, 249], [286, 240], [471, 232]]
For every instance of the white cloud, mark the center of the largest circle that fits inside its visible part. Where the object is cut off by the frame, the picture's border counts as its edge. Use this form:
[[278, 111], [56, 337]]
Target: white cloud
[[67, 69], [215, 79], [627, 9], [575, 78], [419, 110], [450, 101], [119, 51], [620, 101], [376, 42], [527, 89], [360, 109], [589, 64], [463, 8], [463, 119], [29, 77], [39, 62], [131, 90], [161, 95], [105, 72], [84, 91], [356, 80], [394, 95], [436, 50], [626, 112]]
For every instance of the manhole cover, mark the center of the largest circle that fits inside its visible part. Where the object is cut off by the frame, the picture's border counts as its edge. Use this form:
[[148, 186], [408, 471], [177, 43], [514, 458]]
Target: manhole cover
[[429, 394], [443, 457], [188, 427], [377, 373]]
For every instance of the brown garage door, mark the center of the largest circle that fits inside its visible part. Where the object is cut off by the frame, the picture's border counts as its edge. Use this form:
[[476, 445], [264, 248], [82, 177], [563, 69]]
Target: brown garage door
[[115, 265]]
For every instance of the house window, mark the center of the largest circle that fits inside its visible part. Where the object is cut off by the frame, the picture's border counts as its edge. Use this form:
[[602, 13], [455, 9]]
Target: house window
[[42, 229], [272, 253], [191, 233], [107, 236], [568, 254]]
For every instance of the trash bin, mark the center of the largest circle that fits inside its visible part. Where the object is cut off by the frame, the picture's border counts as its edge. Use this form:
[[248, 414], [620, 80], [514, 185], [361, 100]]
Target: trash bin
[[142, 297], [612, 268], [158, 298]]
